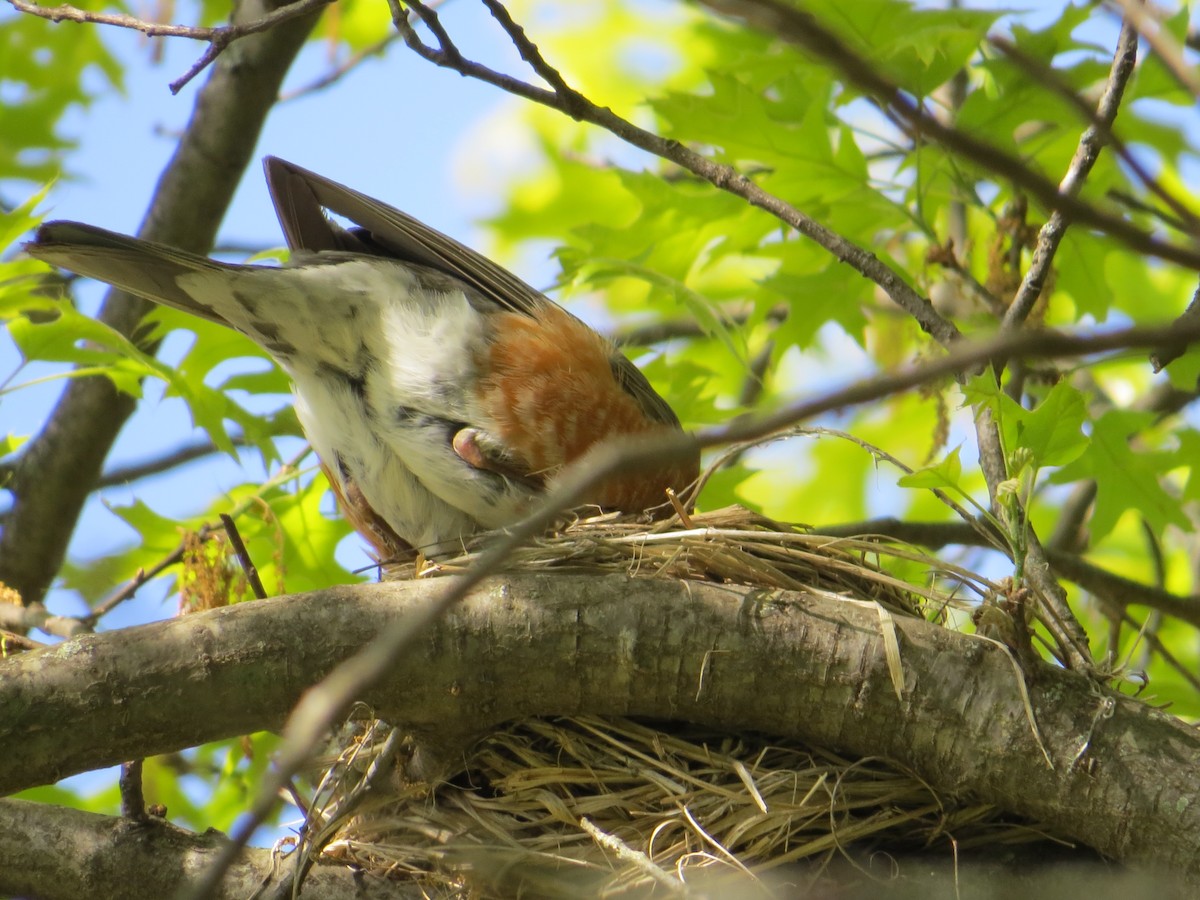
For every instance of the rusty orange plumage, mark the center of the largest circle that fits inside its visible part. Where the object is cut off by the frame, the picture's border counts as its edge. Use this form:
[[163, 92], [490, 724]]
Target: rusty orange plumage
[[442, 393]]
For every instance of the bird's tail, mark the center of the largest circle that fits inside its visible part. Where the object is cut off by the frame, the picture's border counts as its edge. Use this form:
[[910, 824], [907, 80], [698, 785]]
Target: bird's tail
[[140, 267]]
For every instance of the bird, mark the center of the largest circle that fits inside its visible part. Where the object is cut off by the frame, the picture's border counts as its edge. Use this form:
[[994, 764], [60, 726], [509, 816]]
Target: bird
[[442, 394]]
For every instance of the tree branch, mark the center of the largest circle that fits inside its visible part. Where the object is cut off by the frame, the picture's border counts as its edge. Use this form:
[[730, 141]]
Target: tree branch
[[625, 646], [1164, 45], [218, 38], [1069, 633], [121, 475], [82, 854], [1081, 165]]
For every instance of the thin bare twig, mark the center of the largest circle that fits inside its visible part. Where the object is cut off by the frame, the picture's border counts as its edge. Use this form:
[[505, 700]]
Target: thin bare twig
[[1129, 201], [335, 74], [121, 475], [218, 38], [1160, 359], [1164, 45], [1081, 165], [1101, 119], [247, 563]]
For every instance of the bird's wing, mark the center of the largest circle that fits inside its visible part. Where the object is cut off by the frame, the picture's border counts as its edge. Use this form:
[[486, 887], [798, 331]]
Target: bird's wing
[[301, 196], [140, 267]]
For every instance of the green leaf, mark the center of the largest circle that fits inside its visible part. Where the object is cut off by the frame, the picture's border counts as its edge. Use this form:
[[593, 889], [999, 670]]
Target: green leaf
[[11, 443], [1053, 430], [1188, 456], [944, 476], [1051, 433], [63, 334], [43, 70], [1125, 480], [918, 48]]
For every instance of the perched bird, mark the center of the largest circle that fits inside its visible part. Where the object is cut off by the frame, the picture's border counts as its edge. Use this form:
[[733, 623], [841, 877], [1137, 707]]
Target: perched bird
[[441, 393]]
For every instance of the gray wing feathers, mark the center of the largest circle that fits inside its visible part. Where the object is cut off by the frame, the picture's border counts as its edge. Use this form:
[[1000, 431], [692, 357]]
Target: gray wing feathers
[[140, 267], [299, 196]]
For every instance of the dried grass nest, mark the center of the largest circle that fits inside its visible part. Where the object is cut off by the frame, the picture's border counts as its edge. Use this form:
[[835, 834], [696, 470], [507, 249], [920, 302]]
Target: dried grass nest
[[586, 806]]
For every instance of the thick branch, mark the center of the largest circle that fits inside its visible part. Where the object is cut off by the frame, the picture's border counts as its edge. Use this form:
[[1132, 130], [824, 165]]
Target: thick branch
[[58, 468], [798, 665], [55, 853]]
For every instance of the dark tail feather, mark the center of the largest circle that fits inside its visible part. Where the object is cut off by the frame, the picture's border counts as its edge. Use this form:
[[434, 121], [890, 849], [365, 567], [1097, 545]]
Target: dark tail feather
[[140, 267]]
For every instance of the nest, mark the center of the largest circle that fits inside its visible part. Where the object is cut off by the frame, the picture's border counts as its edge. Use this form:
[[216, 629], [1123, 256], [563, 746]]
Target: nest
[[728, 546], [586, 806]]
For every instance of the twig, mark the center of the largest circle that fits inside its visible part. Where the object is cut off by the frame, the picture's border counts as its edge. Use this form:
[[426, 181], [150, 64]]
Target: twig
[[11, 640], [1160, 359], [1138, 205], [1101, 119], [133, 798], [243, 555], [991, 538], [286, 472], [121, 475], [1068, 632], [143, 575], [1186, 670], [1112, 588], [338, 72], [963, 357], [637, 858], [1124, 592], [1086, 154], [218, 38], [1164, 45]]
